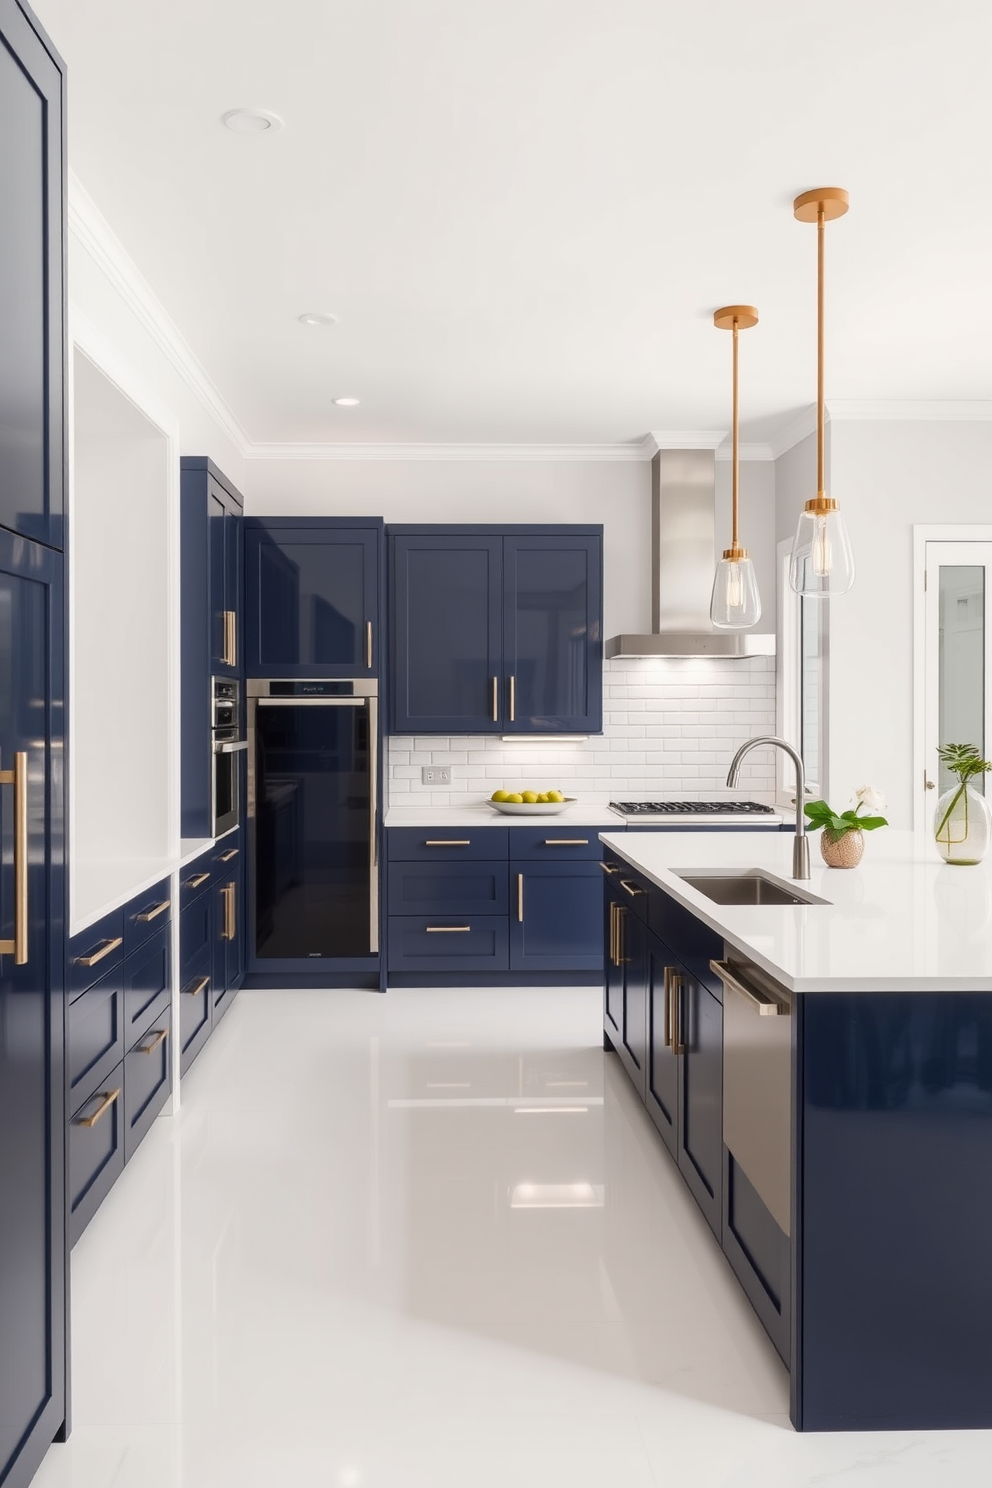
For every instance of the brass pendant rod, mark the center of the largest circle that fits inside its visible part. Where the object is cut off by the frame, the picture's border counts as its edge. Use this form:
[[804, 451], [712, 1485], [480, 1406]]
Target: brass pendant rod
[[736, 444], [820, 382]]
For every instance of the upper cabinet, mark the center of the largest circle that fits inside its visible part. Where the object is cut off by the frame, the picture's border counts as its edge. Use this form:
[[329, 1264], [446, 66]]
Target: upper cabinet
[[496, 630], [32, 295], [312, 596]]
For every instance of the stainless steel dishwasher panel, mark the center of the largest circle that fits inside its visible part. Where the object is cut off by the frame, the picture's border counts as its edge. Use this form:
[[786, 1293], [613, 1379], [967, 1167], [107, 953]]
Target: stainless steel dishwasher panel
[[757, 1082]]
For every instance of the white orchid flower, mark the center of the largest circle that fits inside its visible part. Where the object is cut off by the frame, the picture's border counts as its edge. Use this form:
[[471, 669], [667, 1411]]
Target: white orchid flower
[[869, 799]]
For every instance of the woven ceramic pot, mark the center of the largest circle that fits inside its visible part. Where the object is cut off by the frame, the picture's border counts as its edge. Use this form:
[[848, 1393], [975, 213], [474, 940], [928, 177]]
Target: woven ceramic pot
[[842, 850]]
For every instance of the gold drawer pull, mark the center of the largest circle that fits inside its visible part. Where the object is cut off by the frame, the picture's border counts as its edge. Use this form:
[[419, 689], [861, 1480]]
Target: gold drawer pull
[[18, 778], [448, 842], [196, 880], [101, 1110], [566, 841], [201, 986], [105, 950], [230, 912], [513, 699], [520, 898], [161, 1034], [447, 929], [631, 889], [153, 913], [495, 700], [232, 852], [610, 867], [368, 644]]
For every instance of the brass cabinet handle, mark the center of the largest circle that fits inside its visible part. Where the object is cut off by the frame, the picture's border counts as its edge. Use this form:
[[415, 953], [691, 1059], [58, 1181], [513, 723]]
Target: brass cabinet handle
[[161, 1033], [613, 932], [101, 1110], [18, 778], [153, 913], [669, 973], [568, 842], [230, 912], [95, 956], [447, 842], [201, 986], [631, 888], [495, 700], [764, 1006], [232, 852], [513, 699], [368, 644], [520, 898], [230, 638], [621, 935], [447, 929], [196, 880], [610, 867], [678, 1047]]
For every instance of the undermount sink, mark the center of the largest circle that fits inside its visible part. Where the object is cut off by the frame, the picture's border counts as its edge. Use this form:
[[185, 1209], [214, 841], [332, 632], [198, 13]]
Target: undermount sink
[[746, 888]]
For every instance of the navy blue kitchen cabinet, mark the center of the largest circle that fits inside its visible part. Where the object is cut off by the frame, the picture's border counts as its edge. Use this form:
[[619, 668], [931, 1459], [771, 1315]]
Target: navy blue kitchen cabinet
[[32, 272], [32, 979], [211, 624], [495, 630], [313, 595], [555, 916], [229, 946]]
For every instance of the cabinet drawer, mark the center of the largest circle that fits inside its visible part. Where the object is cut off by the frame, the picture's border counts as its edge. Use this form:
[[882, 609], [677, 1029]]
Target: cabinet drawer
[[446, 844], [195, 932], [552, 844], [448, 943], [195, 879], [147, 1081], [94, 951], [227, 855], [147, 982], [96, 1151], [146, 914], [94, 1036], [195, 995], [447, 888], [630, 887]]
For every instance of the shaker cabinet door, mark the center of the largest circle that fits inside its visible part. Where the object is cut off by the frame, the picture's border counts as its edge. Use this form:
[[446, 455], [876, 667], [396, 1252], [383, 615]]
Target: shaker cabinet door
[[552, 643], [700, 1154], [445, 618], [32, 307]]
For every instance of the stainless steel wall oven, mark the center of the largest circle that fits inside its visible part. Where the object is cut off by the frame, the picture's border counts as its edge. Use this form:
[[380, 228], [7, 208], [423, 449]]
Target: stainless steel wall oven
[[227, 746], [312, 807]]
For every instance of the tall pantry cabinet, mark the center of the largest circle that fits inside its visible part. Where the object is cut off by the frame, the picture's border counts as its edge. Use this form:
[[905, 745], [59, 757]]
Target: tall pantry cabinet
[[32, 745]]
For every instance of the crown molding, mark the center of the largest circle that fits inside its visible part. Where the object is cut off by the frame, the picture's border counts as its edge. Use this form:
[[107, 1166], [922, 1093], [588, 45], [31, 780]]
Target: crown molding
[[792, 433], [666, 439], [447, 453], [92, 230], [901, 410], [746, 452]]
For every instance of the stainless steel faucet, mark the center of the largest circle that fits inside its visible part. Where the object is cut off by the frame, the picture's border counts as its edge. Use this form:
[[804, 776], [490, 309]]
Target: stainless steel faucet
[[800, 847]]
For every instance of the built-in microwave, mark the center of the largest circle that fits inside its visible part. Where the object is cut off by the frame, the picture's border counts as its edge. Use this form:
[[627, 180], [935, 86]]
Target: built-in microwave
[[227, 747]]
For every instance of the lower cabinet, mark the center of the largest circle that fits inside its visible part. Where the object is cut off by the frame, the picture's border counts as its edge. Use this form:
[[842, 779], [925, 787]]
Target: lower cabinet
[[514, 904], [212, 942]]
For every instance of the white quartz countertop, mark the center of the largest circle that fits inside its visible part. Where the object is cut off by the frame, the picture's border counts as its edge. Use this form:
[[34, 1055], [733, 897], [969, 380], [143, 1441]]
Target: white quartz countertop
[[903, 921], [486, 816], [99, 885]]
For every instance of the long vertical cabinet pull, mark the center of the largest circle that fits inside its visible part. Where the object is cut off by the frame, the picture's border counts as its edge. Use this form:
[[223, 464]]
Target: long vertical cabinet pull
[[18, 778], [678, 1047], [520, 898], [230, 912], [495, 700], [513, 699], [230, 638], [621, 935], [368, 644], [669, 974]]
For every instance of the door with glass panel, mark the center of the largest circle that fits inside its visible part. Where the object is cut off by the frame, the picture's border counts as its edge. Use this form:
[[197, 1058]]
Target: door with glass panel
[[958, 659]]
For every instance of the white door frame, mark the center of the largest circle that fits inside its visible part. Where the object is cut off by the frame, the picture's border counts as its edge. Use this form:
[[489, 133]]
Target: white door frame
[[963, 532]]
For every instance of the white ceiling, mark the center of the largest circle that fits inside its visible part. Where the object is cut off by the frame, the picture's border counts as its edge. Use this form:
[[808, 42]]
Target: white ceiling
[[525, 212]]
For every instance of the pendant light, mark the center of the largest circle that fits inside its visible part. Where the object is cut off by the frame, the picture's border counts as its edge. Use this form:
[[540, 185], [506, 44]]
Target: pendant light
[[822, 563], [735, 603]]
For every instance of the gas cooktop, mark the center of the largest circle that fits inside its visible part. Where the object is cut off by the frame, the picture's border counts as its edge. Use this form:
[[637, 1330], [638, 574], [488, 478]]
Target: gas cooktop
[[690, 808]]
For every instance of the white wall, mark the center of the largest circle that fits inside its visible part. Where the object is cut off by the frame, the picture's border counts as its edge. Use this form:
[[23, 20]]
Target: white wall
[[889, 477]]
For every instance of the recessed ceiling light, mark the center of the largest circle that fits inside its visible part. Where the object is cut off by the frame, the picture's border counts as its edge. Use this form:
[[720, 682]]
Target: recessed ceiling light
[[347, 402], [252, 121], [317, 318]]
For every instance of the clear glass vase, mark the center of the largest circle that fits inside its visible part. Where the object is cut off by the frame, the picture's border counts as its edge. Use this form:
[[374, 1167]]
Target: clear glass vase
[[962, 825]]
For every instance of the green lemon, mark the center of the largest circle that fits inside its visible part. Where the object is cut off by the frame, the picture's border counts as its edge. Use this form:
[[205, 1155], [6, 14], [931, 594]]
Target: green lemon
[[529, 796], [498, 796], [514, 799], [555, 796]]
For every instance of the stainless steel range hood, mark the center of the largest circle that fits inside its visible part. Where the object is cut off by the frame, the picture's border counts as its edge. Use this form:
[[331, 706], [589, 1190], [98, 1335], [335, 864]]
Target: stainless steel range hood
[[683, 556]]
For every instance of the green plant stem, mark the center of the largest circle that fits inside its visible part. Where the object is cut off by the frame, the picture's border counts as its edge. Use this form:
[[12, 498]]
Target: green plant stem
[[962, 790]]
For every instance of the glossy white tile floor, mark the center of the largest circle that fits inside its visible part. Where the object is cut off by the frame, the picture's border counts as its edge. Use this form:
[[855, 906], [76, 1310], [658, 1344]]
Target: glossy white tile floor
[[429, 1240]]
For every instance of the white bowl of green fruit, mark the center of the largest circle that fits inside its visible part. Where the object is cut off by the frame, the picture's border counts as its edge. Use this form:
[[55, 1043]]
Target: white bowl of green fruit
[[530, 803]]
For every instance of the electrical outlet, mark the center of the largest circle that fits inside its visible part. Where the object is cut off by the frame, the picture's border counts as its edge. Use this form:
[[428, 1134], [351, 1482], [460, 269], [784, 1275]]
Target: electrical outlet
[[435, 775]]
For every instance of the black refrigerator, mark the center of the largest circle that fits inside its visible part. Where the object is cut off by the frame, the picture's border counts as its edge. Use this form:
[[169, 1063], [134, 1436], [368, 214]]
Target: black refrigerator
[[313, 831]]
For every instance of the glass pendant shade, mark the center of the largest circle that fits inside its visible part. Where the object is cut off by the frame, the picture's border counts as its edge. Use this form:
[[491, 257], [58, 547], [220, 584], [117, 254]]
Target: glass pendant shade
[[822, 562], [735, 603]]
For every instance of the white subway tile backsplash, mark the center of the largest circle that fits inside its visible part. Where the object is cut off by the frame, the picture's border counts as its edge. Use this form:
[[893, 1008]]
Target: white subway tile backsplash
[[669, 728]]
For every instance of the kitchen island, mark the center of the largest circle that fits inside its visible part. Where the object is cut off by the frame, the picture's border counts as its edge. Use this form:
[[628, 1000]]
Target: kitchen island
[[822, 1074]]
